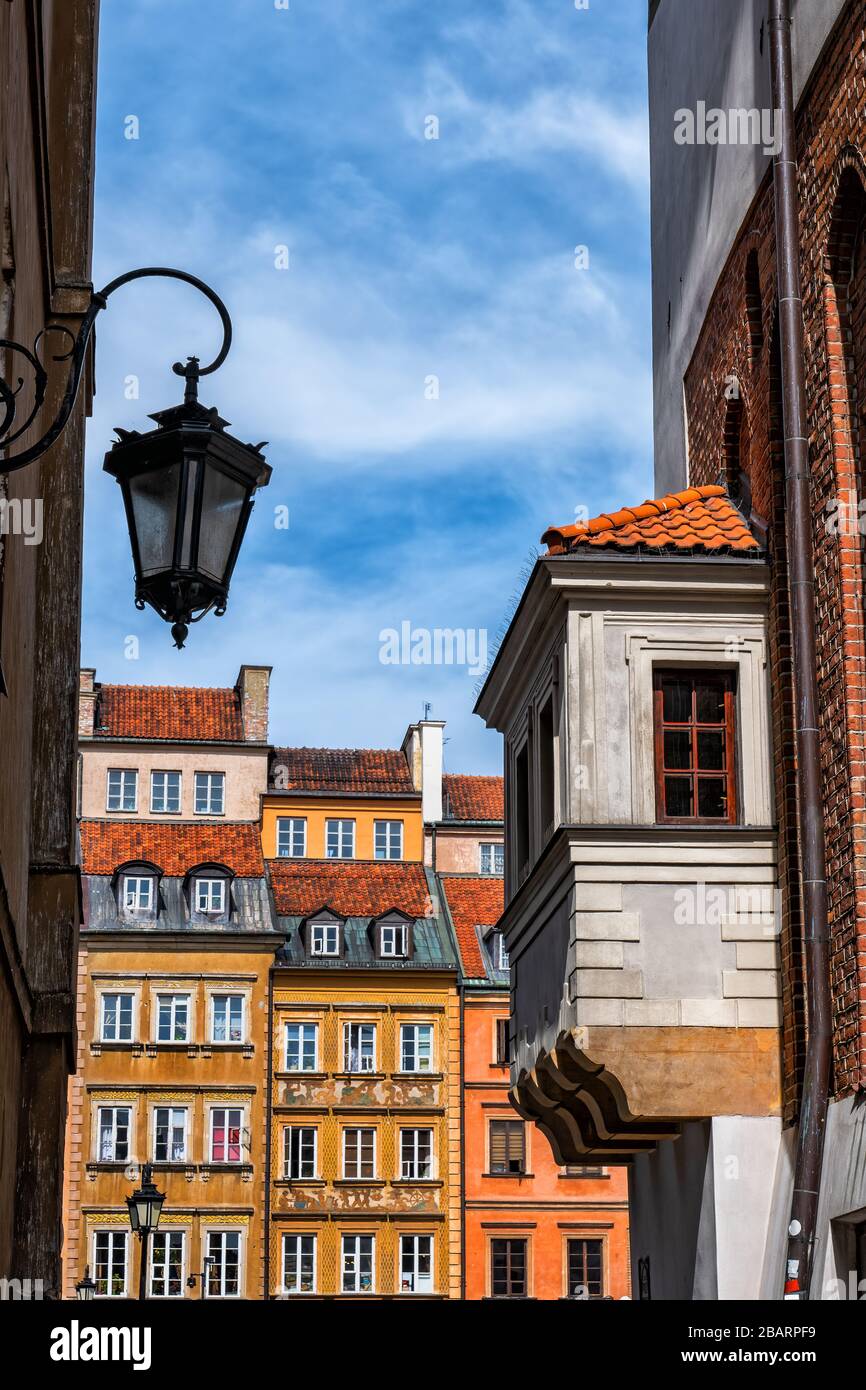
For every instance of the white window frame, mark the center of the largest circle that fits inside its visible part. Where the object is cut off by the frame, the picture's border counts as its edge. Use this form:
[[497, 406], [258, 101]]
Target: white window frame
[[300, 1070], [358, 1177], [114, 1236], [173, 1111], [498, 951], [210, 779], [228, 996], [413, 1030], [162, 775], [414, 1241], [290, 826], [168, 1234], [204, 888], [114, 1111], [344, 828], [116, 994], [321, 935], [398, 944], [353, 1241], [134, 884], [295, 1240], [414, 1160], [491, 851], [226, 1110], [124, 773], [288, 1167], [223, 1237], [361, 1049], [388, 830], [178, 998]]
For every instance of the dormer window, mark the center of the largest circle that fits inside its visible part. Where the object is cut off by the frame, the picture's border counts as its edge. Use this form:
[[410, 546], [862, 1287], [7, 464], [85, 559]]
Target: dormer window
[[498, 952], [208, 891], [391, 935], [138, 893], [210, 895], [136, 887], [325, 939], [393, 940]]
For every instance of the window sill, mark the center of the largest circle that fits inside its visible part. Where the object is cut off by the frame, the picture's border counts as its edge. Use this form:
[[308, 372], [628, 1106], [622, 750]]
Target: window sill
[[359, 1076], [512, 1176], [301, 1075], [97, 1047], [417, 1075], [417, 1182], [299, 1182], [584, 1177], [499, 1066], [244, 1169]]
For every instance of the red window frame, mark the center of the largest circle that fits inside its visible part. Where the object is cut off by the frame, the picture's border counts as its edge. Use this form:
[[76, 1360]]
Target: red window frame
[[724, 681]]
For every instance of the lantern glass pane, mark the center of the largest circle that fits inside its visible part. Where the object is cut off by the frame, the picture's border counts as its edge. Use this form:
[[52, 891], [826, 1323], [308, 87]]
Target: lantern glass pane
[[153, 497], [222, 508]]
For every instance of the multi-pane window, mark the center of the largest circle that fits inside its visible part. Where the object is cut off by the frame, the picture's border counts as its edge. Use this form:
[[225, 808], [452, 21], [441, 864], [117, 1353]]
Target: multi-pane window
[[416, 1264], [508, 1268], [169, 1134], [210, 793], [116, 1018], [325, 939], [492, 859], [498, 953], [113, 1124], [225, 1144], [210, 895], [165, 792], [224, 1269], [507, 1146], [416, 1047], [109, 1263], [299, 1264], [227, 1018], [416, 1154], [300, 1144], [394, 940], [695, 746], [585, 1269], [340, 839], [302, 1046], [172, 1018], [138, 892], [388, 839], [291, 837], [502, 1049], [359, 1153], [359, 1047], [122, 789], [166, 1264], [357, 1264]]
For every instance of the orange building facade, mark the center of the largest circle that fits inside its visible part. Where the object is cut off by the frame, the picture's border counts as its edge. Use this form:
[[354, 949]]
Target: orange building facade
[[531, 1228]]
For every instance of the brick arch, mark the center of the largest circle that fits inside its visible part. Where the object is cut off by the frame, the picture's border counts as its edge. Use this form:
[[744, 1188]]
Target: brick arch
[[737, 446]]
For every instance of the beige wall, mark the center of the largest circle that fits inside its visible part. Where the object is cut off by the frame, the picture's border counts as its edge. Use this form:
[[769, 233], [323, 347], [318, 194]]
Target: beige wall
[[246, 773], [457, 851]]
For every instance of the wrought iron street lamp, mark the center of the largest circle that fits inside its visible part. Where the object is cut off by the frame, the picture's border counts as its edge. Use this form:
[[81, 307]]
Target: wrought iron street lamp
[[187, 485], [145, 1207], [85, 1289]]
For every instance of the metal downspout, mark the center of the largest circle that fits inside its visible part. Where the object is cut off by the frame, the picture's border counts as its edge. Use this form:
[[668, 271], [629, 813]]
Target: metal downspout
[[801, 579]]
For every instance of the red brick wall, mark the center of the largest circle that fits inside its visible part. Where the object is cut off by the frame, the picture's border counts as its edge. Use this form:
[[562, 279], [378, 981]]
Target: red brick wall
[[831, 135]]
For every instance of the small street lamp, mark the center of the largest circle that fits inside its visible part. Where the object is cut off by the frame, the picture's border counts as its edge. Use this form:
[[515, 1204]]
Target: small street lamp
[[85, 1289], [145, 1207], [187, 485], [203, 1277]]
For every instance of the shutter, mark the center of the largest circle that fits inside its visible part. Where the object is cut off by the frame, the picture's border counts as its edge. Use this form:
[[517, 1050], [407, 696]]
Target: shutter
[[498, 1145]]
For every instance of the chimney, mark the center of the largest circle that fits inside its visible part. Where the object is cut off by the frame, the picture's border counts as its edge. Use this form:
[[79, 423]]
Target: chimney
[[252, 687], [422, 748], [87, 695]]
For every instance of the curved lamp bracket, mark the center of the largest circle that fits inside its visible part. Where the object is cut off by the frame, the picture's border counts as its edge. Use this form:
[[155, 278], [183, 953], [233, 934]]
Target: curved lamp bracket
[[76, 353]]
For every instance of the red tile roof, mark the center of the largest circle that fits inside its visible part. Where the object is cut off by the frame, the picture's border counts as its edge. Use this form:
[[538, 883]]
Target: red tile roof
[[472, 798], [173, 848], [340, 770], [168, 711], [353, 888], [700, 520], [473, 902]]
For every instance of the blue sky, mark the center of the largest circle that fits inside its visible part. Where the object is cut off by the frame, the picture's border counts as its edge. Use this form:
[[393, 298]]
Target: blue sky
[[409, 258]]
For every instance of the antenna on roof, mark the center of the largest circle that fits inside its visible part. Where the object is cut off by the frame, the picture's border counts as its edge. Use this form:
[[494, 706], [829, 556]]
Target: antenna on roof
[[427, 709]]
